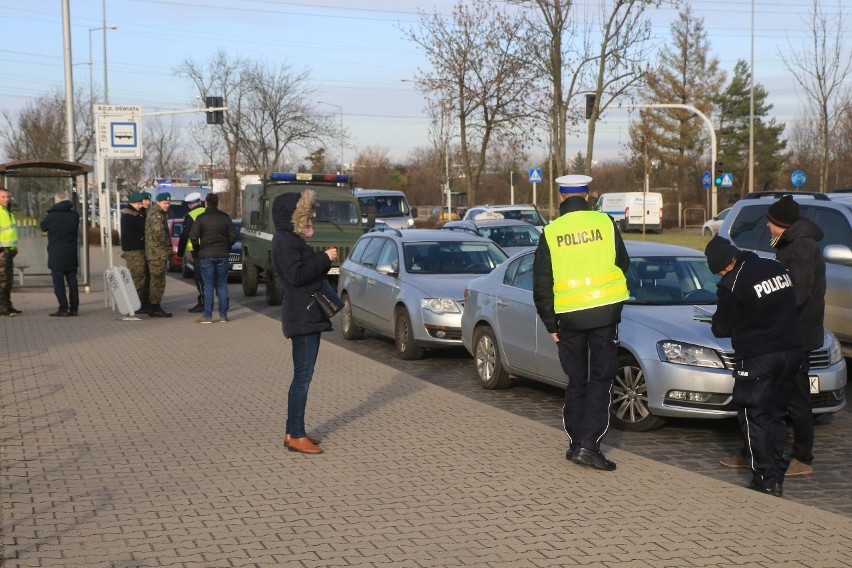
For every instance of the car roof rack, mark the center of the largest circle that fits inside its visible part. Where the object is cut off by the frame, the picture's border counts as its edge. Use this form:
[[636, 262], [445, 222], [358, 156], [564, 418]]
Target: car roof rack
[[778, 193], [386, 229]]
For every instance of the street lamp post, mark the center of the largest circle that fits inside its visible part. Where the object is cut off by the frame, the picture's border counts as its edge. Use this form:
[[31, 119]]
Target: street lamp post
[[340, 108], [90, 63]]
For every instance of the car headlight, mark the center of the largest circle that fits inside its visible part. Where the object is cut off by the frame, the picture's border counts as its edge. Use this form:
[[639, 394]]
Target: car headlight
[[835, 353], [688, 354], [440, 305]]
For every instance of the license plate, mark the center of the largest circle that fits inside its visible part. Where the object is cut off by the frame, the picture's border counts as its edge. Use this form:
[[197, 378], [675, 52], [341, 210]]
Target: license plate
[[814, 380], [237, 266]]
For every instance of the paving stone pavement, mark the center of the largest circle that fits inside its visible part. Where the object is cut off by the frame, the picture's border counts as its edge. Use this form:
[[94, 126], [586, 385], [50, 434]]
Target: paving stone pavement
[[158, 443]]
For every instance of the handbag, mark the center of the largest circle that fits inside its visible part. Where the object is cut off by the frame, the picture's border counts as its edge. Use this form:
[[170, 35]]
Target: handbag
[[327, 300]]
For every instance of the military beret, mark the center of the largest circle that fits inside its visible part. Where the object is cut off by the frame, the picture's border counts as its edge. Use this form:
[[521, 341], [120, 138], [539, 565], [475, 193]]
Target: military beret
[[135, 197], [165, 196]]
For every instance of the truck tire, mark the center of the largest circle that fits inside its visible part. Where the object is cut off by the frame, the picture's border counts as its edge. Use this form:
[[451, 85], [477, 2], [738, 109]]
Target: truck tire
[[249, 278], [274, 287]]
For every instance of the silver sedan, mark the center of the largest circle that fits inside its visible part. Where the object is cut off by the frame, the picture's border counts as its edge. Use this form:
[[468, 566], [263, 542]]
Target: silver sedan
[[669, 364]]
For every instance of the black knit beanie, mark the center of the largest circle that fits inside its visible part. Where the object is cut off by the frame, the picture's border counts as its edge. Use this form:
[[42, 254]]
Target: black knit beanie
[[720, 252], [783, 212]]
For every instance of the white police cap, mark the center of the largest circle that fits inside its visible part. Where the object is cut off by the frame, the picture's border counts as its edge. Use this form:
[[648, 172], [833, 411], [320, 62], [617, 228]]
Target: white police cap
[[193, 197], [573, 184]]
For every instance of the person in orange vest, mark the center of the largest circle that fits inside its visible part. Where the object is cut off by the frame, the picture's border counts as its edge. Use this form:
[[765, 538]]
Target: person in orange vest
[[579, 289]]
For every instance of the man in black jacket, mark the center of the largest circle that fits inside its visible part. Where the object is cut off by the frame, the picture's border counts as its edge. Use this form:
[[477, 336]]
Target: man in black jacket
[[62, 226], [212, 235], [756, 308], [133, 247]]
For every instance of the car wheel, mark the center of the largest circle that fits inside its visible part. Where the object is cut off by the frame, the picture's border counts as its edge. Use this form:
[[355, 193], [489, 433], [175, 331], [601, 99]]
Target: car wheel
[[487, 360], [403, 336], [351, 330], [274, 287], [249, 278], [629, 407], [708, 232]]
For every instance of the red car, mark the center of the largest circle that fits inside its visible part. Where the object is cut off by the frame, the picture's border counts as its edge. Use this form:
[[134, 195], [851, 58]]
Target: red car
[[175, 229]]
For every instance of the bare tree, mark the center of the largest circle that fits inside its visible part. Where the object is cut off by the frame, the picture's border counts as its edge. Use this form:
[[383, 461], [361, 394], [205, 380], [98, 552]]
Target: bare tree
[[38, 130], [278, 114], [823, 70], [210, 143], [372, 168], [163, 149], [479, 74]]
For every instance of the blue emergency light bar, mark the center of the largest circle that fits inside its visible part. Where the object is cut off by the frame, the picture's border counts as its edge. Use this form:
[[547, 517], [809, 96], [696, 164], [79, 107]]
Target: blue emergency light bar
[[327, 178]]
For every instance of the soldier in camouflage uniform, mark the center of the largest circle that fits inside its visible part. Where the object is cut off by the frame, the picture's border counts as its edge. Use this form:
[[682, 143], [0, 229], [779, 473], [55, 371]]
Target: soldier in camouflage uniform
[[133, 247], [158, 249]]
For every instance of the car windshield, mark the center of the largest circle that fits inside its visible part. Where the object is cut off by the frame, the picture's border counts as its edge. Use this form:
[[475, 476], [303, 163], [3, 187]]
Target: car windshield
[[337, 212], [452, 257], [671, 280], [531, 216], [512, 235], [385, 206]]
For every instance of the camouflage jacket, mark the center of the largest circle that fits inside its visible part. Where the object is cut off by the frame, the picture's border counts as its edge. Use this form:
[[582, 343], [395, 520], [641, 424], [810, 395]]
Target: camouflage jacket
[[158, 243]]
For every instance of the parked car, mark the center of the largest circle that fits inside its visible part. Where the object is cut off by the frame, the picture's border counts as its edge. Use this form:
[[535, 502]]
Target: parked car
[[669, 364], [386, 206], [527, 213], [408, 285], [745, 226], [633, 210], [235, 257], [441, 214], [711, 226], [512, 235], [175, 229]]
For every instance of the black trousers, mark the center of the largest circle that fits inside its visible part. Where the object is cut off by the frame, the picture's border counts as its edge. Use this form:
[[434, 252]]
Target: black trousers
[[762, 388], [801, 413], [196, 276], [60, 278], [590, 359]]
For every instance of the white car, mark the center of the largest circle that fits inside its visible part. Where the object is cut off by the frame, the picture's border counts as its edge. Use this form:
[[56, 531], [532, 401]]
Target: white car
[[527, 213], [669, 364], [711, 226]]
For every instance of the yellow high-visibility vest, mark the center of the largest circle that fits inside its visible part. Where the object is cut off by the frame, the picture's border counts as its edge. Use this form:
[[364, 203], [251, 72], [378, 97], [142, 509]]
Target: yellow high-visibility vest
[[194, 214], [8, 229], [582, 254]]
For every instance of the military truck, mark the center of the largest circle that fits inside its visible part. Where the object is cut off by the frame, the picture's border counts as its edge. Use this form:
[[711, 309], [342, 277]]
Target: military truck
[[337, 224]]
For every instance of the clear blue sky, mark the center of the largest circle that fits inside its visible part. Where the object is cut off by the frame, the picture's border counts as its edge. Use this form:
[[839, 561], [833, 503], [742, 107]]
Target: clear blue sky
[[357, 57]]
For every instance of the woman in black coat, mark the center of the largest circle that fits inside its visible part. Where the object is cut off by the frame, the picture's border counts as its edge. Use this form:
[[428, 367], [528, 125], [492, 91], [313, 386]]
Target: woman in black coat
[[302, 270], [62, 225]]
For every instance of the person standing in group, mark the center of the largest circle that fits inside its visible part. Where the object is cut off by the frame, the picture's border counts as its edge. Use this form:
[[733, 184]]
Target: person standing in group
[[756, 308], [62, 225], [133, 247], [796, 240], [8, 250], [579, 289], [212, 235], [196, 208], [158, 249], [302, 270]]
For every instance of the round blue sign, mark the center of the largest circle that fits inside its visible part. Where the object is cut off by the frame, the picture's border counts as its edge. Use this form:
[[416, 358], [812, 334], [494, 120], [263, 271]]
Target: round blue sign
[[705, 179], [798, 178]]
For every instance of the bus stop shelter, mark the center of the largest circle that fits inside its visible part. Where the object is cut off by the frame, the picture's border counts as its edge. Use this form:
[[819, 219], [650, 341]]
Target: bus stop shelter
[[33, 184]]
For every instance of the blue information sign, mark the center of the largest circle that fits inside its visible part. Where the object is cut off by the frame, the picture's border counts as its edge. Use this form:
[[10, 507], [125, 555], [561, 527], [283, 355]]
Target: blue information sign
[[705, 179], [535, 175], [798, 178]]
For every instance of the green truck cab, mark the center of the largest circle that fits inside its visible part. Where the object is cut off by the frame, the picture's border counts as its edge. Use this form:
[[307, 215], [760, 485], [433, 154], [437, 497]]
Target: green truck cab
[[337, 224]]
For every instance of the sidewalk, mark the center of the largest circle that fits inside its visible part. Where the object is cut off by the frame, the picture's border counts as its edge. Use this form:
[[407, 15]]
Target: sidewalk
[[159, 443]]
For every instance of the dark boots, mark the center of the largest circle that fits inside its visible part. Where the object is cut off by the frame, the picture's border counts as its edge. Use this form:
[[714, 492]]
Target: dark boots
[[156, 311]]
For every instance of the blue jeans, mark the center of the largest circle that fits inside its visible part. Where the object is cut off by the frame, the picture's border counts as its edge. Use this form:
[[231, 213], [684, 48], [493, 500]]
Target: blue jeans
[[305, 351], [214, 273]]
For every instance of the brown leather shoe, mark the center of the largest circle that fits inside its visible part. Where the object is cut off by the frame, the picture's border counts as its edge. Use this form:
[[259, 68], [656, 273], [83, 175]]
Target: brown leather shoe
[[737, 461], [314, 441], [797, 468], [303, 445]]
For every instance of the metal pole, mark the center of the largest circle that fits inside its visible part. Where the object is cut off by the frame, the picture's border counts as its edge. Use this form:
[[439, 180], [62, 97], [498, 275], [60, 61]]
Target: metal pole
[[69, 81], [751, 113], [511, 187]]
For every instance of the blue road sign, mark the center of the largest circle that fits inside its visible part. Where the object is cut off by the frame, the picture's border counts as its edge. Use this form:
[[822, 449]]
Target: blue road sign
[[798, 178], [728, 180], [705, 179], [535, 175]]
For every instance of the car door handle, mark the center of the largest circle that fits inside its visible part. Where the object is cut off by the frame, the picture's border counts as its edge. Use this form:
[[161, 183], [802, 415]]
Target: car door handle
[[502, 303]]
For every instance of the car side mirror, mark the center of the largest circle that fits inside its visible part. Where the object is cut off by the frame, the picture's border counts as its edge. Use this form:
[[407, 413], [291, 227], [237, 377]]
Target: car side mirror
[[387, 269], [838, 254], [414, 211]]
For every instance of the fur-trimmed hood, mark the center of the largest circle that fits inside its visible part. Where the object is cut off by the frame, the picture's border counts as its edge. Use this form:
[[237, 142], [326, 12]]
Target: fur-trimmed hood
[[291, 211]]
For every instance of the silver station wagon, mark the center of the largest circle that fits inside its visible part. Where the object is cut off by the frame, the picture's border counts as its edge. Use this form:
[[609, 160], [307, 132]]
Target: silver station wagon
[[669, 364]]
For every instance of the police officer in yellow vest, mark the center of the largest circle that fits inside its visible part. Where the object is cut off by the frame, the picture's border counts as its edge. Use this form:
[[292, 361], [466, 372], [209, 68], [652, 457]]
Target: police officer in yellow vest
[[8, 250], [193, 201], [579, 289]]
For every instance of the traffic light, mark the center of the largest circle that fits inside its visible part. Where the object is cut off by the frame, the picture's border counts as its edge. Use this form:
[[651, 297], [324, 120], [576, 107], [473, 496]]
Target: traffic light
[[718, 173], [216, 116], [590, 105]]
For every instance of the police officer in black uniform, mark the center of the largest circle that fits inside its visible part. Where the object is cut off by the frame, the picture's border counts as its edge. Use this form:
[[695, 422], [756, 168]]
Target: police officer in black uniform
[[757, 310]]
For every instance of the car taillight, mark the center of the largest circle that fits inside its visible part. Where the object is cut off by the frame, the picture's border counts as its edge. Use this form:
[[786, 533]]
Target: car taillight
[[466, 292], [627, 212]]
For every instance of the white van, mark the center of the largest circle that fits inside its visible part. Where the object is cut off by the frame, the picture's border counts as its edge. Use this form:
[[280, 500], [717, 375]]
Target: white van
[[633, 209], [388, 206]]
